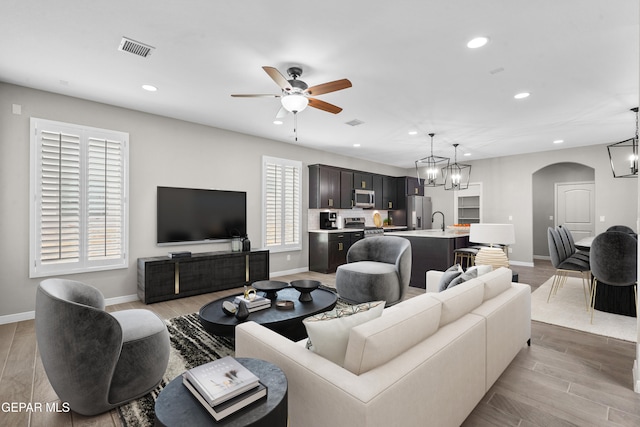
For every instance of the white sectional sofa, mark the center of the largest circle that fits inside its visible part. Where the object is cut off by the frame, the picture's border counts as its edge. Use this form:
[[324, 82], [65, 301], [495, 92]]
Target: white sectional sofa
[[426, 361]]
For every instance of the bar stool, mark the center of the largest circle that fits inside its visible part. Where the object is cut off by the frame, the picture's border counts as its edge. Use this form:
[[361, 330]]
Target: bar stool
[[465, 256]]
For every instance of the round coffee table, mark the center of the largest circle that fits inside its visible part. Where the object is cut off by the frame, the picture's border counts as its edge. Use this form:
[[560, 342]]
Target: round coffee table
[[177, 407], [285, 322]]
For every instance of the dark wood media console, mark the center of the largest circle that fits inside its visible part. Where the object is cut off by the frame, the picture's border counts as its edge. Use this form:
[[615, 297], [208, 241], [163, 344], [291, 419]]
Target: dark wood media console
[[163, 278]]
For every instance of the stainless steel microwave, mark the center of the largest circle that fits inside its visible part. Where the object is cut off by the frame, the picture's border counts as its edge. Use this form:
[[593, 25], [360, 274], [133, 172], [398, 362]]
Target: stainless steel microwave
[[364, 198]]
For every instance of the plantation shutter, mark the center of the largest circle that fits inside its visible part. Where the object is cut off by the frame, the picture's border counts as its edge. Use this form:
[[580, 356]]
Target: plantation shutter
[[78, 208], [105, 199], [282, 204], [60, 198]]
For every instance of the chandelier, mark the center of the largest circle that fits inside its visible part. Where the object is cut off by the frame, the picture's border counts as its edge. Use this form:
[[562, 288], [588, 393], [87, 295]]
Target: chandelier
[[456, 175], [432, 166], [623, 155]]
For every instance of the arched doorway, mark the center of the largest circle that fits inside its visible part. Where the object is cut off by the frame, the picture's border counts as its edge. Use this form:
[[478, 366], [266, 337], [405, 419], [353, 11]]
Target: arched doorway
[[544, 182]]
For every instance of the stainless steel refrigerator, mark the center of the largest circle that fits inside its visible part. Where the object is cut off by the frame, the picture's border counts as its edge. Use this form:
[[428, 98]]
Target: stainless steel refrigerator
[[418, 212]]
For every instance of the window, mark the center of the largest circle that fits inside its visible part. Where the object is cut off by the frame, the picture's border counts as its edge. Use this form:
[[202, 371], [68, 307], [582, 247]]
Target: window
[[78, 213], [281, 204]]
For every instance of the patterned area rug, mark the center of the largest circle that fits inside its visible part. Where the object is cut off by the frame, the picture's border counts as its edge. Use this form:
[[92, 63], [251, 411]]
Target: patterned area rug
[[191, 346]]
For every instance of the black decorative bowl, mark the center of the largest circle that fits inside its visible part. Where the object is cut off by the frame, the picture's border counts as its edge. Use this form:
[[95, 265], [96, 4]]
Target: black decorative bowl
[[305, 287], [270, 287]]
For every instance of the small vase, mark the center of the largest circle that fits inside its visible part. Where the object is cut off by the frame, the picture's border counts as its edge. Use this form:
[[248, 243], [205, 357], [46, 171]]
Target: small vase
[[242, 312]]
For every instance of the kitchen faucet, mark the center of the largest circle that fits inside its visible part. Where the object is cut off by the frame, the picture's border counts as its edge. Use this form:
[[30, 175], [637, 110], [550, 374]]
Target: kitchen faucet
[[434, 214]]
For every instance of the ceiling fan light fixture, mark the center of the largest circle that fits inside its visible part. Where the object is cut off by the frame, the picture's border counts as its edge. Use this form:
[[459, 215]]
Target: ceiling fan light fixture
[[295, 102]]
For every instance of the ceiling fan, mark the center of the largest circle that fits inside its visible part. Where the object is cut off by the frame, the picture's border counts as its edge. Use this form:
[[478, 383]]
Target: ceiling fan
[[296, 94]]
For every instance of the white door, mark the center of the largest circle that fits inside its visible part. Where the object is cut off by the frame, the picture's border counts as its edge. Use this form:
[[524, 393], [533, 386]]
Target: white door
[[575, 208]]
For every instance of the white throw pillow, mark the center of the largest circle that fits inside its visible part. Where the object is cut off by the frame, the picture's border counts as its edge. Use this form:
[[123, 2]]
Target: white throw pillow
[[329, 332]]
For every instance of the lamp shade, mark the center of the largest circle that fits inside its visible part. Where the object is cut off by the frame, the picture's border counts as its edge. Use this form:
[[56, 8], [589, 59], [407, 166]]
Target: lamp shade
[[492, 234], [294, 103]]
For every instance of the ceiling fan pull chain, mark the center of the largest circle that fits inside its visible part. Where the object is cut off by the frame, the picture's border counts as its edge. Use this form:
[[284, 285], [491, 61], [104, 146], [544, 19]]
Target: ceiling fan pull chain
[[295, 124]]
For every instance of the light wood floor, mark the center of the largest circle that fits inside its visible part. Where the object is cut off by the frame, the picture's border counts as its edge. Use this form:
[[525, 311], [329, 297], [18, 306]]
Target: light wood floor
[[565, 378]]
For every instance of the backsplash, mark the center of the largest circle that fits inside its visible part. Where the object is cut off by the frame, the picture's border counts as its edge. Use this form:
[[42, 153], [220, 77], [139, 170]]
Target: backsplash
[[313, 216]]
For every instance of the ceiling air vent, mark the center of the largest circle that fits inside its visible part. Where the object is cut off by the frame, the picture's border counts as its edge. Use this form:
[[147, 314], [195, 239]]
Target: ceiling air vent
[[137, 48], [354, 122]]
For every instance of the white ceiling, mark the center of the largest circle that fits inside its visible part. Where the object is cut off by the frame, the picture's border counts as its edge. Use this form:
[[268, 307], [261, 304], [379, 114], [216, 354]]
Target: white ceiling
[[407, 60]]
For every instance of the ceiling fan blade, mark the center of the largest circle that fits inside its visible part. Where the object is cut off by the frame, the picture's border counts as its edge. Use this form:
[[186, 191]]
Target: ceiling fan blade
[[282, 112], [278, 78], [329, 87], [265, 95], [325, 106]]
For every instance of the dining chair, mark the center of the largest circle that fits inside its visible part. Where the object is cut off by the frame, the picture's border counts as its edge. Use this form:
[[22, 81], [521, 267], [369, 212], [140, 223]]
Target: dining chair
[[565, 264], [614, 258]]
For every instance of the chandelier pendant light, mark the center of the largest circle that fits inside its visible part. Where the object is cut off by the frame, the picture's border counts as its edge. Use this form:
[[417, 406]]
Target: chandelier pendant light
[[456, 175], [623, 155], [433, 168]]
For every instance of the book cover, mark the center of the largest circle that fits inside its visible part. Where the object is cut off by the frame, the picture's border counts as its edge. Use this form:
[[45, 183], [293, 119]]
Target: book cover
[[222, 379], [230, 406]]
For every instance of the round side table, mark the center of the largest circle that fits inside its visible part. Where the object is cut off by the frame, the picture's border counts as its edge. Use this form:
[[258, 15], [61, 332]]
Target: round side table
[[177, 407]]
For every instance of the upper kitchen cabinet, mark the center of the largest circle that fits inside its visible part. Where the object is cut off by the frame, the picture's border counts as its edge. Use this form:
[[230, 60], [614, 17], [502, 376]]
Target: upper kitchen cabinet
[[346, 189], [324, 187], [389, 193], [362, 181], [413, 187], [378, 190]]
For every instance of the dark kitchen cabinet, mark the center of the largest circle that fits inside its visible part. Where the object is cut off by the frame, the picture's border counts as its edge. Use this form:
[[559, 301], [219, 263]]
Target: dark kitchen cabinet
[[327, 251], [378, 190], [413, 187], [362, 181], [389, 193], [324, 187], [346, 189]]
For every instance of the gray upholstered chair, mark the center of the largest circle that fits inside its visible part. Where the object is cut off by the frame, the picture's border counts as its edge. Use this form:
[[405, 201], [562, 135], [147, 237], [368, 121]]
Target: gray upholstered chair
[[565, 263], [614, 261], [96, 360], [378, 269]]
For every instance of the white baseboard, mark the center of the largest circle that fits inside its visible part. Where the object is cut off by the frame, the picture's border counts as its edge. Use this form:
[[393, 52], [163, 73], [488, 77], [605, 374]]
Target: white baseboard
[[636, 375], [546, 258], [521, 263], [29, 315], [288, 272]]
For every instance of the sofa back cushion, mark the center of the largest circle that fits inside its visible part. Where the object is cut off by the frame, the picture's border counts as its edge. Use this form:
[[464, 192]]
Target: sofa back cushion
[[496, 282], [460, 300], [401, 327]]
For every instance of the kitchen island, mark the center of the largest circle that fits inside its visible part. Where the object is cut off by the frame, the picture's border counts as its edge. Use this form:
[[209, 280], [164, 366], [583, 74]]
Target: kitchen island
[[431, 250]]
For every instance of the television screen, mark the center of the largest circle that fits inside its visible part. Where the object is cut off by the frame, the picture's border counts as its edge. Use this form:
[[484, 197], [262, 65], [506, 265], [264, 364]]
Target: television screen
[[193, 215]]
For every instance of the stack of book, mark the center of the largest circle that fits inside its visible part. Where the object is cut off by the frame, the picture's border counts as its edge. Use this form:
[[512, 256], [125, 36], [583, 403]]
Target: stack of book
[[224, 386], [255, 304]]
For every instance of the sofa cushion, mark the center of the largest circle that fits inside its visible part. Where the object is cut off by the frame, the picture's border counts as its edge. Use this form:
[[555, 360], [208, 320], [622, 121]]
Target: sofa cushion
[[401, 327], [496, 282], [329, 332], [460, 300], [449, 274]]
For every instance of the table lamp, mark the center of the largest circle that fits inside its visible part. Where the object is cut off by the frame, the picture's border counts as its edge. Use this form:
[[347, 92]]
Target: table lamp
[[492, 234]]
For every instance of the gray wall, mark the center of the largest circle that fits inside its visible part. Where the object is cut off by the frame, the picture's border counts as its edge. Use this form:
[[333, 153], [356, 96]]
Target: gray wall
[[507, 186], [163, 152], [544, 182]]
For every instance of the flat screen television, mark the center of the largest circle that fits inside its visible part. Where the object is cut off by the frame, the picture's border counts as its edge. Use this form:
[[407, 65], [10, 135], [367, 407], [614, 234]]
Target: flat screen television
[[197, 215]]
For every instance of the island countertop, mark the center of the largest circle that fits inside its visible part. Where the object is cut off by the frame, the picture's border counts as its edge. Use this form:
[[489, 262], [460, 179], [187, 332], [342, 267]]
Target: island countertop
[[432, 233]]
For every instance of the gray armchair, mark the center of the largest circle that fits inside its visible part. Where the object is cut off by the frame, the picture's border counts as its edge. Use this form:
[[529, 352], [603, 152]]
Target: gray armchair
[[96, 360], [378, 269]]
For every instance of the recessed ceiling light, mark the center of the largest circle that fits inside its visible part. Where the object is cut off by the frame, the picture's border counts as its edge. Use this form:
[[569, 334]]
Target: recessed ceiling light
[[558, 141], [277, 122], [149, 88], [356, 145], [467, 154], [413, 132], [521, 95], [477, 42]]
